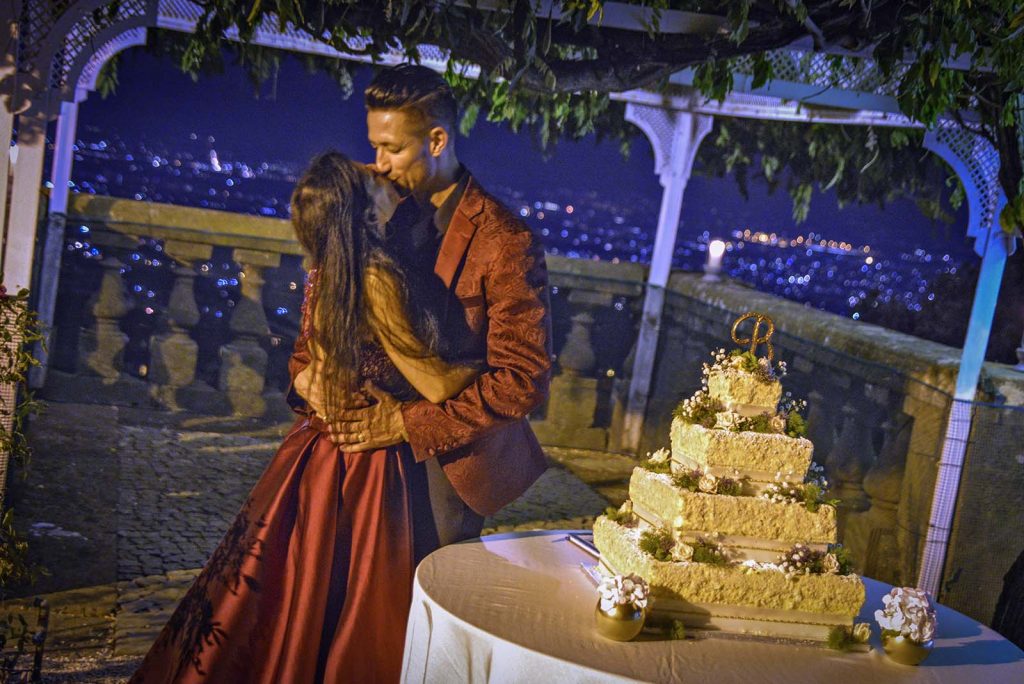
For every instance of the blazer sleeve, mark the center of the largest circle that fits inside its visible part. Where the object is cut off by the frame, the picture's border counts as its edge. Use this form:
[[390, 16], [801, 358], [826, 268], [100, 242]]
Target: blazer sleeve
[[518, 371]]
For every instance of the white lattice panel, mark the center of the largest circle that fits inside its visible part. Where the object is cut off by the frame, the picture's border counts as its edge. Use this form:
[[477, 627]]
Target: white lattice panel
[[82, 35], [34, 25], [976, 161], [182, 15], [658, 124], [816, 69]]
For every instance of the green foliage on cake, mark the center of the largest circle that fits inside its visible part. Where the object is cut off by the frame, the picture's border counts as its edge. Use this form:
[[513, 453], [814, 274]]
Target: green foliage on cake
[[796, 426], [705, 551], [847, 638], [803, 560], [622, 515], [696, 480], [657, 543], [748, 362], [812, 492]]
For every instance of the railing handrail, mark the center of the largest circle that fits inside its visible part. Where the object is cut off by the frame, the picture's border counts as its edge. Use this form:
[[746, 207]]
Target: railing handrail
[[929, 363]]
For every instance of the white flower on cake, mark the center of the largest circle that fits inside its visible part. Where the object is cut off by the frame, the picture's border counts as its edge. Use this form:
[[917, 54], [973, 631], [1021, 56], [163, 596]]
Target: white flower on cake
[[777, 424], [908, 612], [682, 551], [830, 564], [727, 420], [660, 456], [621, 590], [708, 483], [862, 632]]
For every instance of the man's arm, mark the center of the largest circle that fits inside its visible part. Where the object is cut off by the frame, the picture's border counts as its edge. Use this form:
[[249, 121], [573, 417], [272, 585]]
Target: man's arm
[[518, 356]]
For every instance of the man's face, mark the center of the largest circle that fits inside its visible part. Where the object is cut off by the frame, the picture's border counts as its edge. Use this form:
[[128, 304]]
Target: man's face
[[402, 144]]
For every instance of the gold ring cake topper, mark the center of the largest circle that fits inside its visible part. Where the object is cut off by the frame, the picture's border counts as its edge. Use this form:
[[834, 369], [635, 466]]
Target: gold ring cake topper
[[756, 337]]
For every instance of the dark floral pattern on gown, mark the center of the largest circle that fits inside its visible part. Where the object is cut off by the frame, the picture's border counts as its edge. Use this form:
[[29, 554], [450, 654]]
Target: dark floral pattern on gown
[[193, 624]]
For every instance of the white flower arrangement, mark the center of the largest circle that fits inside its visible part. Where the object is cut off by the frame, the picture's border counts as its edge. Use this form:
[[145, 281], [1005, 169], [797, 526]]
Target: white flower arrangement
[[682, 552], [803, 560], [907, 612], [782, 490], [728, 420], [622, 590], [737, 362], [660, 456], [708, 483]]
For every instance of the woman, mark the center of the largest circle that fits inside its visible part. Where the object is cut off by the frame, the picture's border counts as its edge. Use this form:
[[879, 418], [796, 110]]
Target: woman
[[313, 580]]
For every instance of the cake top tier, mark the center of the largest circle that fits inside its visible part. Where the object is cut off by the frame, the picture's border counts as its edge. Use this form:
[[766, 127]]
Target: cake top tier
[[743, 383]]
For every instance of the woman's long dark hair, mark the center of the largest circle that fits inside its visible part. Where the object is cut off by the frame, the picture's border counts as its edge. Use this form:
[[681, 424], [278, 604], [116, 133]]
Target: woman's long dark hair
[[333, 218]]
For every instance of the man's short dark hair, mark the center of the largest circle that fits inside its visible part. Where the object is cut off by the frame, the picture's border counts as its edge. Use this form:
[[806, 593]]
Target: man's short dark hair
[[417, 88]]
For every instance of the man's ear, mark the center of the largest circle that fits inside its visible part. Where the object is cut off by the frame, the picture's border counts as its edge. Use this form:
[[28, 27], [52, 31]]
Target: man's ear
[[438, 140]]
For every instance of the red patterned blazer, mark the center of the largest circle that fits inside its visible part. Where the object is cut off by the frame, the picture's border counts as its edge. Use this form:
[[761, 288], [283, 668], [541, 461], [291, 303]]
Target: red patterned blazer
[[493, 266]]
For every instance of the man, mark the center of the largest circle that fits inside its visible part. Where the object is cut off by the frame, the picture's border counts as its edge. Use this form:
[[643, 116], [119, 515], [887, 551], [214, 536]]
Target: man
[[492, 269]]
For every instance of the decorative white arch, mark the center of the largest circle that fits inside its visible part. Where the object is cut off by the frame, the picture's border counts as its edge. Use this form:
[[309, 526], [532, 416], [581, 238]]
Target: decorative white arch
[[84, 71]]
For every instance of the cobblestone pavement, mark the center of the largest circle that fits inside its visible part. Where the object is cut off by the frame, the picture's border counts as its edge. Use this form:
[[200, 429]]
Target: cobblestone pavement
[[123, 506]]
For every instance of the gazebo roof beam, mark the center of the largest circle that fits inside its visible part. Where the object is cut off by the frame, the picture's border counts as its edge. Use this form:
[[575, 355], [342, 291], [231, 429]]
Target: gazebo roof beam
[[765, 107]]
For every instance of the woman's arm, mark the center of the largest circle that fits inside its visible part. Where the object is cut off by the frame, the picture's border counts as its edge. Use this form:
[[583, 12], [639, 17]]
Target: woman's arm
[[432, 377]]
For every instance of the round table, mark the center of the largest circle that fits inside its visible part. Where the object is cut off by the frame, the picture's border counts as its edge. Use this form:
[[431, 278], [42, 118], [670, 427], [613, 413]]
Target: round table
[[518, 608]]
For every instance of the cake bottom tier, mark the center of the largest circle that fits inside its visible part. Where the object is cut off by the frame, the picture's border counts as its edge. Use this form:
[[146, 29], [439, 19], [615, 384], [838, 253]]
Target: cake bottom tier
[[733, 598]]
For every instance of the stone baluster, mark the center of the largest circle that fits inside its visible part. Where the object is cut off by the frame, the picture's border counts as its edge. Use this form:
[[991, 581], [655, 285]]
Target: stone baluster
[[244, 360], [871, 535], [577, 357], [572, 398], [680, 356], [820, 429], [173, 352], [101, 346], [845, 465], [620, 402]]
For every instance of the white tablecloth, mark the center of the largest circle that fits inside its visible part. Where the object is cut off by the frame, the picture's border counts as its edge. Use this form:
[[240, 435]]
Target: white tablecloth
[[518, 608]]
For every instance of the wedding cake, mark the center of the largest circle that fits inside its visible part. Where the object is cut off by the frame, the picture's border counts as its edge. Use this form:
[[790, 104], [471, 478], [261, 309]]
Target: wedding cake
[[731, 528]]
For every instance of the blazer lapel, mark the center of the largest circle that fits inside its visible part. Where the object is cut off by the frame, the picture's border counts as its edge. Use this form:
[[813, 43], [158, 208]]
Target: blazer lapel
[[460, 231]]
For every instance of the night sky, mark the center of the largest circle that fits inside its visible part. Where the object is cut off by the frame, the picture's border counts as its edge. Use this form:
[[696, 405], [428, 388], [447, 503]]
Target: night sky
[[302, 114]]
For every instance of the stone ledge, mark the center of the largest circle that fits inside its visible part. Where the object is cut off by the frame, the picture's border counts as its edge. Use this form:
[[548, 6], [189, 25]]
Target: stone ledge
[[929, 362]]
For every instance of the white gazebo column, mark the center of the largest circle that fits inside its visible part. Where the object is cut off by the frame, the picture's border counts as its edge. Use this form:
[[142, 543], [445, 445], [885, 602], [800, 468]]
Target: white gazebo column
[[675, 137], [8, 99], [53, 240], [27, 169], [977, 163]]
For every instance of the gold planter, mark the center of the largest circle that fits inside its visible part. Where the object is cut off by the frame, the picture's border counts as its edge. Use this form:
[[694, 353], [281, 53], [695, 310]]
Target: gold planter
[[620, 622], [904, 651]]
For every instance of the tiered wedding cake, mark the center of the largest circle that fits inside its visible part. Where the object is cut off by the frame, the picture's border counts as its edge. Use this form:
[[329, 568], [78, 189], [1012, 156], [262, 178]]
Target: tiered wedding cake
[[731, 529]]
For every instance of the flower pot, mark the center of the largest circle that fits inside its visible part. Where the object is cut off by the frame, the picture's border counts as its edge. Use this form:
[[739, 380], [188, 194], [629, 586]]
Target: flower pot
[[621, 622], [904, 651]]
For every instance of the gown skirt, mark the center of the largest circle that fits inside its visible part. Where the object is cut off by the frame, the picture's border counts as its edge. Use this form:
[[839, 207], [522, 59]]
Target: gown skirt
[[313, 580]]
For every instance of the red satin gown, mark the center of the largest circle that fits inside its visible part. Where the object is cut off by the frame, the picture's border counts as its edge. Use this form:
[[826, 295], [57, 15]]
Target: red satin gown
[[313, 580]]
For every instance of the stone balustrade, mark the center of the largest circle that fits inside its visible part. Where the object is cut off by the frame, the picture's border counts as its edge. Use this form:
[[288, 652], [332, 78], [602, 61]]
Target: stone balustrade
[[878, 400]]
